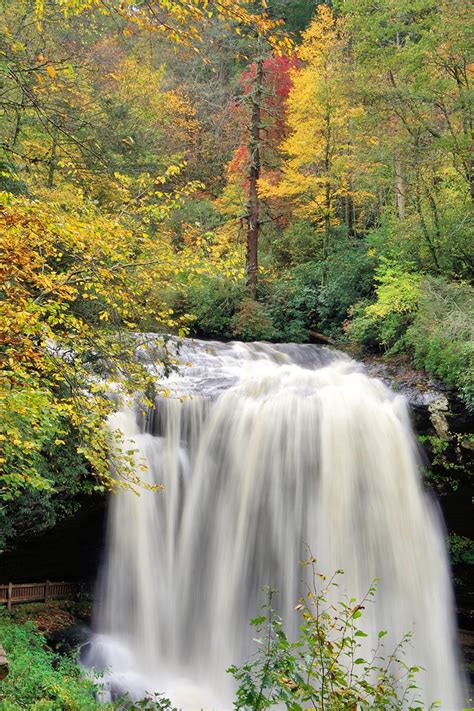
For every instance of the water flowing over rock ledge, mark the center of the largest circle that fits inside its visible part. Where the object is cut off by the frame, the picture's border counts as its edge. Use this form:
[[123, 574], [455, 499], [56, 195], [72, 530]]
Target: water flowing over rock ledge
[[265, 448]]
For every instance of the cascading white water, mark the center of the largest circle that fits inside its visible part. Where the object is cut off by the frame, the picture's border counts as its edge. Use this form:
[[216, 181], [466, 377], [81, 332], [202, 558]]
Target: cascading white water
[[263, 450]]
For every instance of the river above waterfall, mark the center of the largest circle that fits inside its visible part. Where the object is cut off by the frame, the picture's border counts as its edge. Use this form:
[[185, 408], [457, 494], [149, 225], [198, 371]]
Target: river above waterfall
[[264, 450]]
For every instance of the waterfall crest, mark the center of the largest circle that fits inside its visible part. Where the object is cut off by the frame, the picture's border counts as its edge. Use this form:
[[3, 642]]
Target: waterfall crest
[[262, 450]]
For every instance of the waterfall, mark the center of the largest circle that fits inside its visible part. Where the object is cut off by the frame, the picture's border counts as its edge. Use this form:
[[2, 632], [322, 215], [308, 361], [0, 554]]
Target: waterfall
[[263, 449]]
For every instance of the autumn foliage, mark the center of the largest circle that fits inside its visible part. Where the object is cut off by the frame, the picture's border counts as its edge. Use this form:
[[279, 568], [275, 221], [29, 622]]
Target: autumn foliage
[[141, 145]]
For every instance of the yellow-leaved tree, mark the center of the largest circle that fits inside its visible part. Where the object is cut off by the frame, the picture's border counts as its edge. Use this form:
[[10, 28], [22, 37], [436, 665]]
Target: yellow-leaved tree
[[318, 171], [182, 21], [77, 285]]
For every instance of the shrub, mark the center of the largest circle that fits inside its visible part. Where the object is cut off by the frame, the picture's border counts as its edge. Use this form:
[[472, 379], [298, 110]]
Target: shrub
[[384, 321], [252, 322], [362, 328], [301, 242], [60, 464], [324, 668], [461, 549], [292, 301], [317, 295], [450, 238], [349, 278], [428, 317], [214, 301], [42, 680], [194, 212], [38, 677], [441, 336]]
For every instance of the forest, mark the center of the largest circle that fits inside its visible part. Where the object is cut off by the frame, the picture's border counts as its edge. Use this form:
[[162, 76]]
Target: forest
[[280, 171]]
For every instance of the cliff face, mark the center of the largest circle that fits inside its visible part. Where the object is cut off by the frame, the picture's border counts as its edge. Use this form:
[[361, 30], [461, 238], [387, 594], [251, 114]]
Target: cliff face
[[440, 419]]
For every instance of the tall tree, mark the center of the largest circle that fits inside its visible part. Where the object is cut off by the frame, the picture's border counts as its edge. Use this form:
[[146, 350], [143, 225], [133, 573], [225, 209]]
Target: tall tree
[[414, 69], [261, 122], [253, 215], [319, 150]]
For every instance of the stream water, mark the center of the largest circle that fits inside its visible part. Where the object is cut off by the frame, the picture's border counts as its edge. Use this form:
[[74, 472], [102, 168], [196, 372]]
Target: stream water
[[263, 450]]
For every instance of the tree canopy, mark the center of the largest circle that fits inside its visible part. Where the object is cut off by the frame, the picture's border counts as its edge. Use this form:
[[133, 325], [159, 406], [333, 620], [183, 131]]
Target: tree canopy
[[256, 170]]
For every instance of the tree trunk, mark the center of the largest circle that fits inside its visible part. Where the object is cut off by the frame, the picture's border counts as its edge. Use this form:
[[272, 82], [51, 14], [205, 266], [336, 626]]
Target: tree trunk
[[316, 337], [53, 160], [424, 226], [349, 215], [349, 209], [399, 183], [253, 215], [327, 202]]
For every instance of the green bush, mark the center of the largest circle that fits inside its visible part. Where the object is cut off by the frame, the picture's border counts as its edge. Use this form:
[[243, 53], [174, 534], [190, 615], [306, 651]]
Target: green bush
[[37, 510], [292, 302], [299, 243], [42, 680], [461, 549], [39, 678], [319, 296], [308, 295], [441, 336], [213, 301], [349, 278], [385, 320], [362, 328], [252, 322], [323, 668], [449, 251], [429, 318]]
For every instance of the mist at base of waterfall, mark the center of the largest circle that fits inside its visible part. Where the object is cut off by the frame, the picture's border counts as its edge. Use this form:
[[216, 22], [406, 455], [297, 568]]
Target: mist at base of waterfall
[[264, 450]]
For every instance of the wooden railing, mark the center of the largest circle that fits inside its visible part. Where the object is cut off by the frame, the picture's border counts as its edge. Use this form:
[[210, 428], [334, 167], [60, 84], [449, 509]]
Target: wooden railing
[[12, 594]]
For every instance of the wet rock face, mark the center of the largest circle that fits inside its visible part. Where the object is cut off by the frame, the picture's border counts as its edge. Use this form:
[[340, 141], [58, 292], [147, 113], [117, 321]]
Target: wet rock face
[[441, 420], [420, 389], [436, 410], [445, 432], [66, 640]]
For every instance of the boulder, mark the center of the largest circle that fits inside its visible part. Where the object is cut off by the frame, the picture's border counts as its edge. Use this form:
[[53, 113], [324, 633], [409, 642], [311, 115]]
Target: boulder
[[3, 664]]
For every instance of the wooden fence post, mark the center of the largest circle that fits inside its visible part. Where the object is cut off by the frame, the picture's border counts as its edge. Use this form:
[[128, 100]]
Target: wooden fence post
[[9, 597], [46, 591]]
